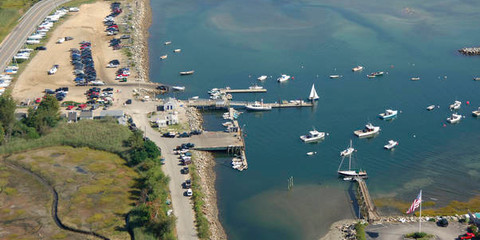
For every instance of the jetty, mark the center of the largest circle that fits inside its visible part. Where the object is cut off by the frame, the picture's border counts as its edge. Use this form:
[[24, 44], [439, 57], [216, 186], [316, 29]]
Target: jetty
[[225, 104], [470, 51], [249, 90], [365, 203]]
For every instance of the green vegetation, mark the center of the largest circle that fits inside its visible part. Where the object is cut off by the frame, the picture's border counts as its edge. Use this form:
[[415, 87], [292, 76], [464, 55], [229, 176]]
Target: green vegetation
[[10, 12], [428, 207], [77, 3], [419, 235], [198, 204], [360, 229]]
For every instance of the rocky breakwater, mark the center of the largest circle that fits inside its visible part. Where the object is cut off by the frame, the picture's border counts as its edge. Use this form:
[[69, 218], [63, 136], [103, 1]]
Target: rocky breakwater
[[194, 117], [141, 20]]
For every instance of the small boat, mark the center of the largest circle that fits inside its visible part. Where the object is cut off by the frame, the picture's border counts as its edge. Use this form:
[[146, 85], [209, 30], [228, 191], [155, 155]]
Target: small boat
[[476, 113], [431, 107], [168, 43], [368, 131], [371, 76], [378, 74], [255, 87], [476, 78], [311, 153], [194, 97], [347, 152], [258, 106], [388, 114], [312, 136], [164, 57], [262, 78], [456, 105], [177, 50], [415, 78], [391, 144], [283, 78], [455, 118], [350, 173], [187, 72], [313, 94], [178, 88], [357, 68], [335, 76], [227, 124]]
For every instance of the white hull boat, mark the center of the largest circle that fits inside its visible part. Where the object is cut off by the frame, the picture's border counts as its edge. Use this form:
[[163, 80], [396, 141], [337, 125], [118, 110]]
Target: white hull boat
[[357, 68], [177, 50], [391, 144], [455, 118], [187, 72], [335, 76], [311, 153], [178, 88], [431, 107], [313, 94], [476, 113], [388, 114], [350, 173], [347, 152], [255, 87], [168, 43], [164, 57], [262, 78], [313, 136], [415, 78], [258, 106], [283, 78], [369, 131], [456, 105]]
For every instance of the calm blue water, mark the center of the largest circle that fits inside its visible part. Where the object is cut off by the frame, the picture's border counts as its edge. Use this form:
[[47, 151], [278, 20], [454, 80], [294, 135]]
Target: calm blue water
[[231, 42]]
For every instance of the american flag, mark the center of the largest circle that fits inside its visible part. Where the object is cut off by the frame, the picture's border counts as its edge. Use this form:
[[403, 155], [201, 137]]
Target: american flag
[[416, 203]]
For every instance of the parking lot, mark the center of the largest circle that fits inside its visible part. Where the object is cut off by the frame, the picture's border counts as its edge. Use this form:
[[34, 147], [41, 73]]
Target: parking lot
[[394, 231]]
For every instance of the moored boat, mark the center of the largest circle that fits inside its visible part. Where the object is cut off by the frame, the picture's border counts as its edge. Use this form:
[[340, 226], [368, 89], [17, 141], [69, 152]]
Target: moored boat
[[164, 57], [357, 68], [258, 106], [311, 153], [262, 78], [415, 78], [456, 105], [347, 152], [391, 144], [351, 172], [313, 94], [255, 87], [178, 88], [312, 136], [368, 131], [283, 78], [431, 107], [187, 72], [388, 114], [335, 76], [476, 113], [168, 43], [476, 78], [177, 50], [454, 118]]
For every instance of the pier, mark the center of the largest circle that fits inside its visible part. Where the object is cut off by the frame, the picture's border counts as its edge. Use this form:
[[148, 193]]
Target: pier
[[365, 203], [253, 90], [224, 104]]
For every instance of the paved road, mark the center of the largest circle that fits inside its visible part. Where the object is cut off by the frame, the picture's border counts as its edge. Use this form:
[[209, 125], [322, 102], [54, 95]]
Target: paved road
[[396, 231], [182, 206], [32, 18]]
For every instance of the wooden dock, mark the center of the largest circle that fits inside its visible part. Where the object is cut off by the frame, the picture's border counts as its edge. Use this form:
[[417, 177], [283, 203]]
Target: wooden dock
[[228, 90], [365, 202], [225, 104]]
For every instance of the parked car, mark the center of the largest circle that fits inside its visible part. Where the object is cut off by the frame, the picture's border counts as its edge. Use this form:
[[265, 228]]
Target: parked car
[[187, 184], [184, 135], [189, 192], [442, 222], [129, 101], [169, 135], [53, 70], [185, 170], [41, 48]]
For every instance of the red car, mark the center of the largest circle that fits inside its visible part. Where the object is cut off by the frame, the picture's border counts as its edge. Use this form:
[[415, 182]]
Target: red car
[[38, 100], [467, 236], [70, 107]]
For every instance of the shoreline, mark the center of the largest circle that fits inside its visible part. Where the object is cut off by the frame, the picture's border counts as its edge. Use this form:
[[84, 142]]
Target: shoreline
[[205, 163]]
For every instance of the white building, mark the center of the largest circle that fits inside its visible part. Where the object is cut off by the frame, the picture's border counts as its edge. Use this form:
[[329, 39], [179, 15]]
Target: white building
[[170, 105], [172, 118]]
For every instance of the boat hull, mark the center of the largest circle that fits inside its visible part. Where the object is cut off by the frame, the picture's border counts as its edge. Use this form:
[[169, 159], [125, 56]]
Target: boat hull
[[312, 139], [387, 117], [258, 109], [352, 174], [362, 134]]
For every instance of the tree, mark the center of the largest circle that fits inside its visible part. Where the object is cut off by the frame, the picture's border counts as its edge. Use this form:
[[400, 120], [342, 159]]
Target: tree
[[7, 114], [45, 116], [2, 134], [151, 149]]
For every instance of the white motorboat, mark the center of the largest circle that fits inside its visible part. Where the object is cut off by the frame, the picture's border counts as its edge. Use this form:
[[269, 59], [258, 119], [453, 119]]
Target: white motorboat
[[456, 105], [227, 124], [476, 113], [178, 88], [168, 43], [313, 94], [335, 76], [311, 153], [391, 144], [351, 172], [177, 50], [357, 68], [368, 131], [347, 152], [258, 106], [164, 57], [283, 78], [431, 107], [388, 114], [195, 97], [187, 72], [476, 78], [312, 136], [415, 78], [262, 78], [255, 87], [455, 118]]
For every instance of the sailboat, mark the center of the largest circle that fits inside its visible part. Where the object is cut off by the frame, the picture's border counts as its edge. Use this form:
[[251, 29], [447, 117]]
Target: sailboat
[[313, 94], [350, 172]]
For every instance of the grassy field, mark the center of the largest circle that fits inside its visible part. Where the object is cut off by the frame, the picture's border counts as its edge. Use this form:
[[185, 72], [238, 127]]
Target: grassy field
[[96, 189], [25, 212], [10, 12], [429, 208]]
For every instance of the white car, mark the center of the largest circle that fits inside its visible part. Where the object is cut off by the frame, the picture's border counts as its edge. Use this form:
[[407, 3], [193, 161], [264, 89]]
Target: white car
[[53, 70], [189, 192], [60, 40], [97, 83]]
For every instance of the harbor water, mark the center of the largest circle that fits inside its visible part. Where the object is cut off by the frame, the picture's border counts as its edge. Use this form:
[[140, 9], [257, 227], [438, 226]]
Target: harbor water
[[232, 42]]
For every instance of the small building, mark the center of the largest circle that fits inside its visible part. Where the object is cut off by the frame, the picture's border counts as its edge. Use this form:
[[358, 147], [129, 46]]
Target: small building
[[170, 105], [172, 118], [72, 116], [111, 113], [86, 115], [161, 123]]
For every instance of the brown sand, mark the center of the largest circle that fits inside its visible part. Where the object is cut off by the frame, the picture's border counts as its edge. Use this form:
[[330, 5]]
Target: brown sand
[[86, 25]]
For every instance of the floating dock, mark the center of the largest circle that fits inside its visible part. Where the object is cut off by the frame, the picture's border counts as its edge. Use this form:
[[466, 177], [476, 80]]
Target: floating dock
[[225, 104], [228, 90]]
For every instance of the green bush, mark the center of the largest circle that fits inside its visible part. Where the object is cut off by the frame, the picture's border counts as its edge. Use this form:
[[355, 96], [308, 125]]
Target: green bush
[[360, 229], [418, 235]]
